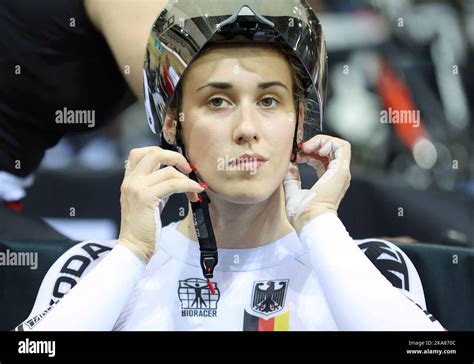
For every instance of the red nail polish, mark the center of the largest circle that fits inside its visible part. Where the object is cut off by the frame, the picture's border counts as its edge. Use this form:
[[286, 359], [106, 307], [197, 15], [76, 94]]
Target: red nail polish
[[199, 197], [300, 145], [203, 185], [192, 167]]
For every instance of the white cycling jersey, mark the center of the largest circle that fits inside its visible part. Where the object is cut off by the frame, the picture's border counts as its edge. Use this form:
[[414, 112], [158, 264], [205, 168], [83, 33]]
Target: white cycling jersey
[[319, 280]]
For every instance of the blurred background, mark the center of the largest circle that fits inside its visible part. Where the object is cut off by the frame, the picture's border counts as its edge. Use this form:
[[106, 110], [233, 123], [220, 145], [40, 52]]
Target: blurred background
[[400, 90]]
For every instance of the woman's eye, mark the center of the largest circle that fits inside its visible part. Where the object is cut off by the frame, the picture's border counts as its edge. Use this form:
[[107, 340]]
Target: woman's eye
[[217, 102], [267, 102]]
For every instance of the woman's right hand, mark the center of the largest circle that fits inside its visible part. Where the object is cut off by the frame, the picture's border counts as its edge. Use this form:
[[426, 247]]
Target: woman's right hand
[[144, 191]]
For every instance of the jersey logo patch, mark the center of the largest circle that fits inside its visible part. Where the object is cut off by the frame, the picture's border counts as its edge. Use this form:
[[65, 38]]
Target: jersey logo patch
[[34, 320], [268, 297], [197, 299], [71, 272], [389, 262]]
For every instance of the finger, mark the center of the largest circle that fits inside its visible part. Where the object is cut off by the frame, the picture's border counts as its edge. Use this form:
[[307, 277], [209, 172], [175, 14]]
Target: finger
[[318, 163], [292, 181], [162, 175], [170, 173], [314, 143], [166, 174], [340, 160], [309, 153], [323, 144], [313, 155], [155, 158], [192, 196], [135, 155], [319, 140], [335, 148], [329, 148], [171, 186]]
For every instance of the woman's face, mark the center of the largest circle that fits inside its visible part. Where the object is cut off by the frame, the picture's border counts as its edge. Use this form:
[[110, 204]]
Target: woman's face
[[238, 101]]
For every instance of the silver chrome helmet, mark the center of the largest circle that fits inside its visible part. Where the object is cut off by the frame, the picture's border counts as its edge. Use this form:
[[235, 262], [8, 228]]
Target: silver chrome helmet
[[185, 27]]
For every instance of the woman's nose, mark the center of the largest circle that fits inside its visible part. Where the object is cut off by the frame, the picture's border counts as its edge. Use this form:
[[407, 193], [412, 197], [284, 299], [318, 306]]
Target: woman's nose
[[246, 128]]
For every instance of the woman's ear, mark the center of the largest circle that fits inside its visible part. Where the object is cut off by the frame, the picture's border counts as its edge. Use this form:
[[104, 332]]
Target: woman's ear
[[169, 127]]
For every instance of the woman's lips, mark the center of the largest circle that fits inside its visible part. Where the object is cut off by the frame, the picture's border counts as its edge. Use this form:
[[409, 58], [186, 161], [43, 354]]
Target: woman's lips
[[247, 163]]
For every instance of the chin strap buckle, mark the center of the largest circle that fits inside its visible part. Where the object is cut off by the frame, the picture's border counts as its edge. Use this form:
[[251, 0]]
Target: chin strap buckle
[[208, 263]]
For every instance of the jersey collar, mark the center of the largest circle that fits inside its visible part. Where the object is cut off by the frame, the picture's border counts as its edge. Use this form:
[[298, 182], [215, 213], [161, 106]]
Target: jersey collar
[[279, 252]]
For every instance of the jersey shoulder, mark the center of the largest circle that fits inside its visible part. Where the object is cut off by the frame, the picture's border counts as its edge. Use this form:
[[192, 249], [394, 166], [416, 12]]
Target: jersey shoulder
[[69, 268], [395, 266]]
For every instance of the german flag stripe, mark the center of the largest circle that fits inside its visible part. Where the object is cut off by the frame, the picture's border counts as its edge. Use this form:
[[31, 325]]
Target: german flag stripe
[[282, 322], [250, 322], [277, 323], [266, 325]]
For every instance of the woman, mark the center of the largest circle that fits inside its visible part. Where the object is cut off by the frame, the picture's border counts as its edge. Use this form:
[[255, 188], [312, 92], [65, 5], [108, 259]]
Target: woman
[[286, 261]]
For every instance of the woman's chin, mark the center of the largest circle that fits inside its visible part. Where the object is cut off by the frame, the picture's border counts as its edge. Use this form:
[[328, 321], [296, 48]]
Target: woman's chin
[[246, 199], [246, 194]]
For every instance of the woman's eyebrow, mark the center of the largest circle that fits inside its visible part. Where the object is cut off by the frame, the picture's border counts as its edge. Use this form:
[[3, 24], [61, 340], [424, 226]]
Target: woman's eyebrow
[[219, 85], [264, 85], [227, 85]]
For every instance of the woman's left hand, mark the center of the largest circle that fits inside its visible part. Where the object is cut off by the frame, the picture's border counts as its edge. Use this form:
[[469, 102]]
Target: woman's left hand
[[330, 157]]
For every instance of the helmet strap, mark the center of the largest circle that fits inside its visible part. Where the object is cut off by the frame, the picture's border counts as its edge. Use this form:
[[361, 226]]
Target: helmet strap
[[295, 148], [201, 217]]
